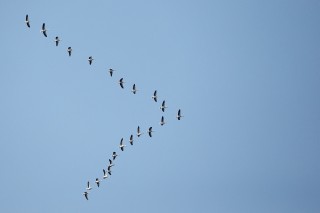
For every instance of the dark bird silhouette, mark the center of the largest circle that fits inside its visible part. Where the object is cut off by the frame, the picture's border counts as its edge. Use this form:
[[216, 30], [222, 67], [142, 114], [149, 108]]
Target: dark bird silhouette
[[90, 59], [43, 29], [69, 50], [154, 97], [27, 21], [57, 40]]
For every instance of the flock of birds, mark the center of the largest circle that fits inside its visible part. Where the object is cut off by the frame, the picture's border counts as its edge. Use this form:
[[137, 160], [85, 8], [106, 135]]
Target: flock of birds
[[107, 172]]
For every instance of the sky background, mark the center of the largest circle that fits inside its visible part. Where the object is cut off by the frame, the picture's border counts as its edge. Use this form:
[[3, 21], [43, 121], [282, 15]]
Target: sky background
[[246, 75]]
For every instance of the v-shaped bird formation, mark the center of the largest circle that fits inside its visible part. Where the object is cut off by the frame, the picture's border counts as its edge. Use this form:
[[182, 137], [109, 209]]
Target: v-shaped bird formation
[[107, 171]]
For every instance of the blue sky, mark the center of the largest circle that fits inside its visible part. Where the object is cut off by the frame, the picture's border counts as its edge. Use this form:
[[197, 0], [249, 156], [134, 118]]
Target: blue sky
[[245, 74]]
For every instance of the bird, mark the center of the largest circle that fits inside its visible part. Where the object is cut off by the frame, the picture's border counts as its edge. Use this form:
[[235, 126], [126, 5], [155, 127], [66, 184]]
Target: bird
[[150, 131], [154, 97], [179, 116], [57, 40], [27, 21], [88, 186], [134, 89], [162, 122], [111, 71], [97, 182], [43, 30], [163, 106], [110, 163], [86, 194], [121, 82], [109, 170], [90, 59], [131, 139], [69, 50], [121, 144], [138, 132], [105, 175], [114, 155]]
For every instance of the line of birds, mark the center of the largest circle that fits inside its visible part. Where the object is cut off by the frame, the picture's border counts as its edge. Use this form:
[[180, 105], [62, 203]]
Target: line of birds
[[134, 90]]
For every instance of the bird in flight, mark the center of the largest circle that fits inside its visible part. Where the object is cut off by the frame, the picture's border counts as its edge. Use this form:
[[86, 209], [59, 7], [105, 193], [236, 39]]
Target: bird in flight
[[111, 71], [109, 170], [86, 195], [97, 182], [121, 144], [154, 97], [69, 50], [57, 40], [131, 139], [27, 21], [105, 175], [139, 133], [179, 116], [162, 122], [114, 155], [134, 89], [43, 29], [150, 131], [121, 82], [163, 106], [110, 163], [88, 186], [90, 59]]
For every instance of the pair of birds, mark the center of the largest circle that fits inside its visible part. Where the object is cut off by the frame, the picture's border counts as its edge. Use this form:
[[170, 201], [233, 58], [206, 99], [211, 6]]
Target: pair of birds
[[105, 176]]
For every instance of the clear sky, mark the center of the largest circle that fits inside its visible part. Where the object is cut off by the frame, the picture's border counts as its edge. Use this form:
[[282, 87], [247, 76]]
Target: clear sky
[[246, 75]]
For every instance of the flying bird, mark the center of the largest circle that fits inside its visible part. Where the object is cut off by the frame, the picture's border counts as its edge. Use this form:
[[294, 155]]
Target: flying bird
[[163, 106], [57, 40], [27, 21], [162, 122], [109, 170], [134, 89], [97, 182], [121, 144], [90, 59], [43, 30], [86, 195], [69, 50], [88, 186], [121, 82], [154, 97], [114, 155], [131, 140], [179, 116], [111, 71], [150, 131], [110, 163], [105, 175], [139, 133]]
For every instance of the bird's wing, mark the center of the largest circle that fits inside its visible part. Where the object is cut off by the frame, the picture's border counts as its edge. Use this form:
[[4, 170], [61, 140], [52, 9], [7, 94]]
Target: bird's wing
[[104, 172], [86, 195], [27, 17], [43, 26], [45, 33]]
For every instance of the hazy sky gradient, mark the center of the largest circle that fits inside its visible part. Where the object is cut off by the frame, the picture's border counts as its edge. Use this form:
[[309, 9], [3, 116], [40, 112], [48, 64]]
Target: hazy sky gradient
[[246, 75]]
